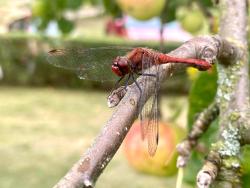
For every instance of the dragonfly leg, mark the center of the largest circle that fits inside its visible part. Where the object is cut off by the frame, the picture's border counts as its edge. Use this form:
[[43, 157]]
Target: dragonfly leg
[[126, 84], [152, 75], [116, 84], [118, 81], [145, 74], [140, 90]]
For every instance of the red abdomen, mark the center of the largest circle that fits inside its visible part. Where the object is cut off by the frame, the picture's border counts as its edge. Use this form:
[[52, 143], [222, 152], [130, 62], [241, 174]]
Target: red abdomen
[[200, 64]]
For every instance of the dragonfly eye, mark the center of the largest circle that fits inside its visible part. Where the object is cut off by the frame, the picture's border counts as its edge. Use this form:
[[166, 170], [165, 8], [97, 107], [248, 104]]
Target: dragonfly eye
[[120, 66], [116, 69]]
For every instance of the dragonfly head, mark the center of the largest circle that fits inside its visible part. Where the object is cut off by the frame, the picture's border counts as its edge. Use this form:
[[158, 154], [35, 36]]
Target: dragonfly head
[[120, 66]]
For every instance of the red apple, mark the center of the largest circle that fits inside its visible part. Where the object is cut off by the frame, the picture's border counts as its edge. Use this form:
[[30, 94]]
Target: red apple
[[163, 163]]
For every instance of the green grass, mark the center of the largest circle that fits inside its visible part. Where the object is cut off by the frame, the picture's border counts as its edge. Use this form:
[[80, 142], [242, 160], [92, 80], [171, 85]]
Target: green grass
[[43, 131]]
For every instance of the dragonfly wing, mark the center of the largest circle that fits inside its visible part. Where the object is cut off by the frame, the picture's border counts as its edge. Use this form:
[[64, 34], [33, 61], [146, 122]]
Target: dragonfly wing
[[91, 64], [144, 108], [149, 114], [152, 128]]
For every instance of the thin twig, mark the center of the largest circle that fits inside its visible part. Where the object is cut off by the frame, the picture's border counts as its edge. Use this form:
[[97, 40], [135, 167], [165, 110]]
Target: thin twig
[[199, 127], [209, 171]]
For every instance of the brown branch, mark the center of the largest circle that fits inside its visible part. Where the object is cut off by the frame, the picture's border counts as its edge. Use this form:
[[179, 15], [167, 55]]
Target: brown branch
[[199, 127], [116, 96], [209, 171], [233, 101], [234, 80], [85, 172], [222, 163]]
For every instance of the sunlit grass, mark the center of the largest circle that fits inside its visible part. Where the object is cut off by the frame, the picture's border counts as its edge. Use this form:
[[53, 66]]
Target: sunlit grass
[[44, 131]]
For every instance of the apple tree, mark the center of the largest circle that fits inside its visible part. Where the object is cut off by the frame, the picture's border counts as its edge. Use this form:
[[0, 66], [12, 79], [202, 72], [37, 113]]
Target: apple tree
[[219, 116]]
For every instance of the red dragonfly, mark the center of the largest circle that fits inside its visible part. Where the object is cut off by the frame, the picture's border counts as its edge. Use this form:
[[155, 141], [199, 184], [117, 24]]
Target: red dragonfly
[[111, 63]]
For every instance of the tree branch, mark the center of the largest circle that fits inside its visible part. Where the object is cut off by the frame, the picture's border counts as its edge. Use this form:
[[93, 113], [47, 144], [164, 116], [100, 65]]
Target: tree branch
[[199, 127], [233, 101], [209, 171], [244, 122], [234, 79], [85, 172]]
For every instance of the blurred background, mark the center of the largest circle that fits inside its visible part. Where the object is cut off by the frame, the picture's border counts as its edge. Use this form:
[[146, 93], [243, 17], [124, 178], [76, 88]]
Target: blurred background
[[49, 117]]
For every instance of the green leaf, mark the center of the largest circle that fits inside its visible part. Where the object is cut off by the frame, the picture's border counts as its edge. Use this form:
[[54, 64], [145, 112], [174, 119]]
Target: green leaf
[[194, 165], [111, 7], [43, 24], [95, 2], [202, 94], [65, 25], [246, 181], [196, 160], [206, 3], [61, 4], [169, 12], [245, 159], [74, 4]]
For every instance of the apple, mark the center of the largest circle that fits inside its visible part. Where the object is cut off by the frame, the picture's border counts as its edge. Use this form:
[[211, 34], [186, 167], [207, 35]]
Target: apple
[[181, 12], [39, 8], [193, 21], [191, 18], [142, 9], [163, 163]]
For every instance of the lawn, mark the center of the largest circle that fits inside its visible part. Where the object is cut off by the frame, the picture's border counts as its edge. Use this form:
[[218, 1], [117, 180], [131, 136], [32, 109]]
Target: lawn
[[43, 131]]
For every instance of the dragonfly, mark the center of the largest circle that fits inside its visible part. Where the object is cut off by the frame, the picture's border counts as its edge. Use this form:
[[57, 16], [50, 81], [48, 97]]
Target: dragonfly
[[119, 63]]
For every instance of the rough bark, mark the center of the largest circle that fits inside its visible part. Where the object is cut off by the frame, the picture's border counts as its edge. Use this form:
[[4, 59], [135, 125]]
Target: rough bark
[[232, 99]]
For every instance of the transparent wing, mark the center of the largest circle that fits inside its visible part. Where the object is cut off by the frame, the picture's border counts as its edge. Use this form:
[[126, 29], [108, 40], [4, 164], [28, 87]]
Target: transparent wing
[[149, 114], [91, 64], [152, 128], [145, 108]]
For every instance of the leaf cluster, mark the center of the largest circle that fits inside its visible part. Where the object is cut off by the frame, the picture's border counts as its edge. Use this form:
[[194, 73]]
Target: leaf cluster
[[45, 11]]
